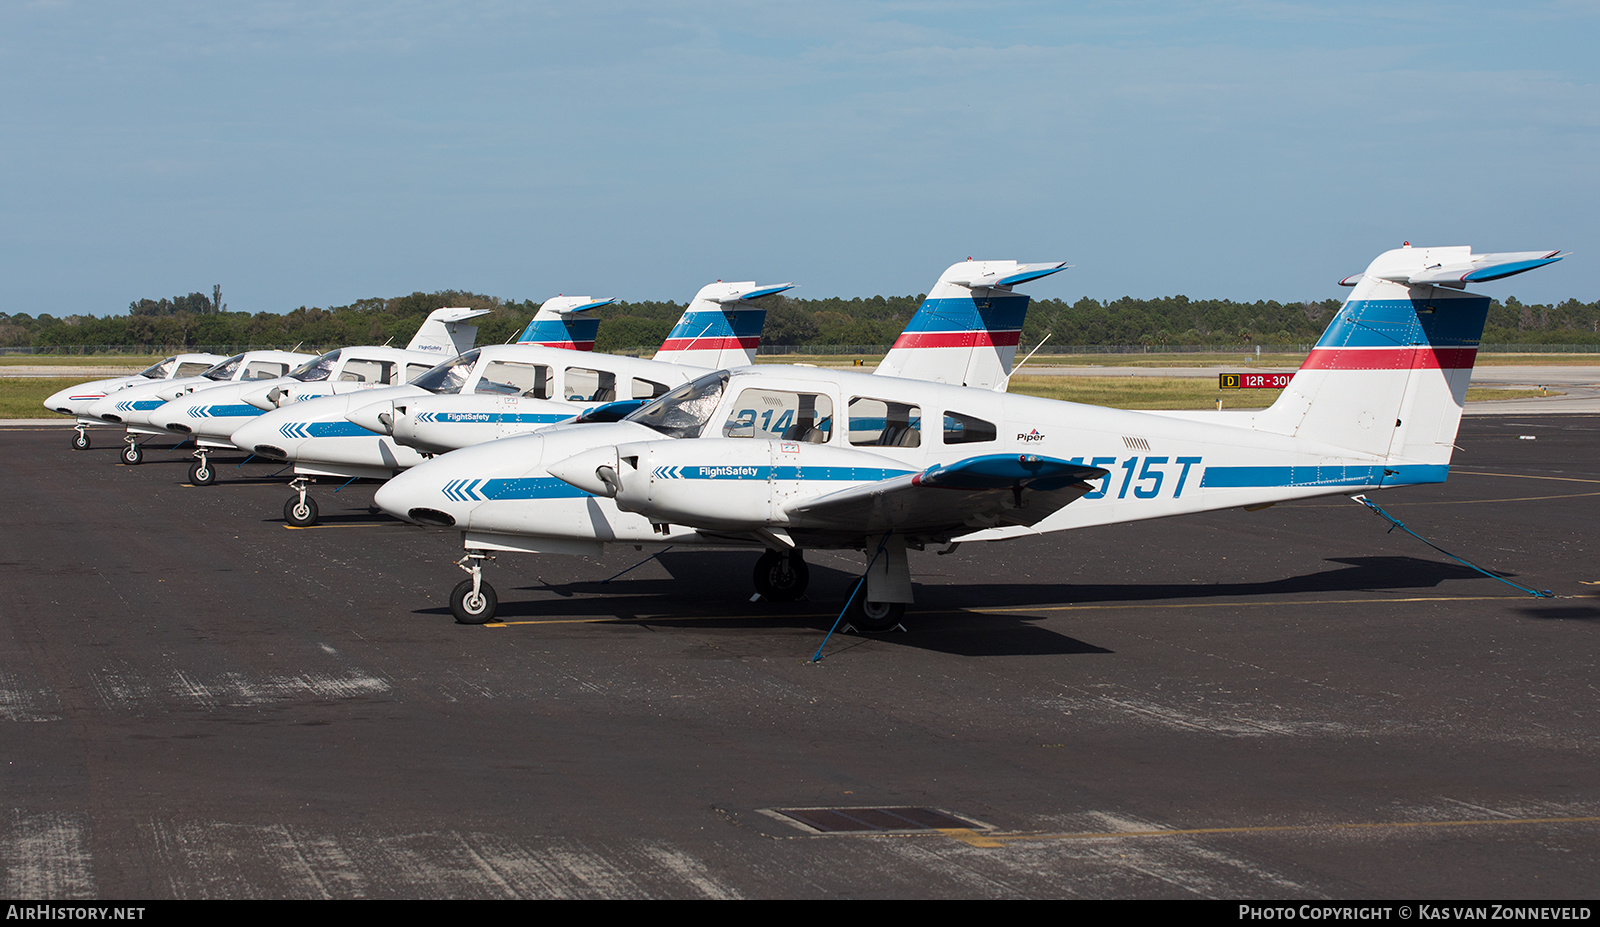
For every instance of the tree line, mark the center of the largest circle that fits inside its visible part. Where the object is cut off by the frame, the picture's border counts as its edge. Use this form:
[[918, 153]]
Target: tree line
[[197, 320]]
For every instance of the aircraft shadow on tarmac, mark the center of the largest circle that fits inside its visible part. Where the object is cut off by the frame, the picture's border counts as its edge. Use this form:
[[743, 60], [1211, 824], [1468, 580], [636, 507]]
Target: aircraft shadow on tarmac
[[708, 590], [1562, 612]]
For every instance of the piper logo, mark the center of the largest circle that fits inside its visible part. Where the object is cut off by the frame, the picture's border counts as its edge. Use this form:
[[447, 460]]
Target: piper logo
[[1030, 437]]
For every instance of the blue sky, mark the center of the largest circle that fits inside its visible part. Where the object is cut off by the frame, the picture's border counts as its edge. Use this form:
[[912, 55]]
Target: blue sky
[[313, 153]]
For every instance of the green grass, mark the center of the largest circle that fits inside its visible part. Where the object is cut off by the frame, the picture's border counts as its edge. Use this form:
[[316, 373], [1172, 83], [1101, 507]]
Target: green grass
[[134, 363], [23, 397]]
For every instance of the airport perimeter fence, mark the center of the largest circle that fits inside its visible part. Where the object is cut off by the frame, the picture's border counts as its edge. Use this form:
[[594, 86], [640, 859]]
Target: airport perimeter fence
[[823, 350]]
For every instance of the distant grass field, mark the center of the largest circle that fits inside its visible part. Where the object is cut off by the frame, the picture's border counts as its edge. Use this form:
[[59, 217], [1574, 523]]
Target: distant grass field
[[1181, 392], [133, 362], [1235, 362], [24, 397]]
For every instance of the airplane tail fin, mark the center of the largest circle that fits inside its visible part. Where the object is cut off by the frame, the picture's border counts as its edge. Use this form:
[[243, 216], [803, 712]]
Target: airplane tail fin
[[563, 322], [967, 329], [721, 327], [444, 333], [1389, 375]]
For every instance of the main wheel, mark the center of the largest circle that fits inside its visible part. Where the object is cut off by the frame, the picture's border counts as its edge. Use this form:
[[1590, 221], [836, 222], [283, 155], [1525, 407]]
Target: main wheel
[[300, 514], [201, 474], [876, 617], [473, 609], [133, 455], [80, 440], [781, 577]]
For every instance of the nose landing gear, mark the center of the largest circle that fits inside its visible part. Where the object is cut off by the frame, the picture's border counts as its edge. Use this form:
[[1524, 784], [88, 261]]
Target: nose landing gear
[[473, 601], [301, 510]]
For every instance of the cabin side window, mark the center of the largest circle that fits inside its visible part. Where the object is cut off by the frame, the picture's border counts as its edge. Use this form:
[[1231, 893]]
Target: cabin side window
[[366, 371], [264, 370], [884, 423], [781, 414], [512, 379], [648, 389], [960, 428], [585, 385]]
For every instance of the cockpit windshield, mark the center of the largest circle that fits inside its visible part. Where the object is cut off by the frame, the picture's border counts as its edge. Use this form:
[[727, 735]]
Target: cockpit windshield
[[160, 369], [224, 371], [683, 412], [318, 368], [448, 378]]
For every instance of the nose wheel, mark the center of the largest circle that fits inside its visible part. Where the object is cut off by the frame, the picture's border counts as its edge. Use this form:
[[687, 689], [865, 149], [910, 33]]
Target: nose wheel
[[301, 510], [473, 601], [81, 439], [132, 454], [201, 472], [781, 577]]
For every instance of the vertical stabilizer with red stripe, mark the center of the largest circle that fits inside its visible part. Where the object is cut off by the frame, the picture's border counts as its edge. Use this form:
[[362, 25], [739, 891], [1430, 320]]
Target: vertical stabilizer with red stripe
[[721, 327], [1389, 376], [966, 331], [564, 322]]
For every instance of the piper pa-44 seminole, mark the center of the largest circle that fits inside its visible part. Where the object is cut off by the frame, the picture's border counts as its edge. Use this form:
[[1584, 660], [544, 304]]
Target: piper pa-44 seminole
[[786, 459]]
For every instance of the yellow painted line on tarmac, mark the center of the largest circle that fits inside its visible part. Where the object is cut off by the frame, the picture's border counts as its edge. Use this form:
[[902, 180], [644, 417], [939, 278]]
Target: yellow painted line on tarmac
[[980, 839], [365, 524], [1279, 603], [612, 619]]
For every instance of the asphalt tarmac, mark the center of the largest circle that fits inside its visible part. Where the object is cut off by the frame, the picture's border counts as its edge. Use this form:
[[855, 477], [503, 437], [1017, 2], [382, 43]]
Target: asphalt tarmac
[[198, 701]]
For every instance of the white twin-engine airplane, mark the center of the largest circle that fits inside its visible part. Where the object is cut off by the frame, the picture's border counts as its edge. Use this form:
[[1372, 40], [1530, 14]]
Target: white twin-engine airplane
[[792, 458], [211, 415], [950, 339], [497, 390], [76, 400], [132, 406]]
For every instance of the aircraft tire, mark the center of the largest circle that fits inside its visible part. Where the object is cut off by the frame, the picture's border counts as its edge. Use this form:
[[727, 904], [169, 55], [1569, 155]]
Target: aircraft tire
[[876, 617], [133, 455], [781, 577], [80, 441], [201, 474], [300, 514], [473, 611]]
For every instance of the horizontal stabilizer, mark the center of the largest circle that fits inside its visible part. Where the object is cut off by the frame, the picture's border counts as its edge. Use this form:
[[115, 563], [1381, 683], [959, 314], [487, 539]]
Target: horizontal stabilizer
[[754, 293], [451, 314], [564, 305], [1454, 267], [987, 275]]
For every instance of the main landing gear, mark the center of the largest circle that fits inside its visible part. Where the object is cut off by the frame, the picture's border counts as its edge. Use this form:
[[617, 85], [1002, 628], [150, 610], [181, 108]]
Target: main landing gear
[[200, 472], [473, 601], [782, 576], [880, 607], [301, 510], [81, 439]]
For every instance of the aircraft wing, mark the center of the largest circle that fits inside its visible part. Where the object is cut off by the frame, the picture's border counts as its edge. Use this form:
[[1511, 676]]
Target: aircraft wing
[[979, 492]]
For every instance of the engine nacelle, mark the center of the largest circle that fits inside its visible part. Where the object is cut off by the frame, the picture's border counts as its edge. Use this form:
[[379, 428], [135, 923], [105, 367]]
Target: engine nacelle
[[729, 484]]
